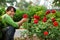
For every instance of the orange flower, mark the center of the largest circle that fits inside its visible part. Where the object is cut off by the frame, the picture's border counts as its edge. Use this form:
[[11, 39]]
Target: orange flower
[[47, 12], [53, 19], [45, 33], [55, 23], [36, 17], [44, 19], [53, 11], [25, 16], [35, 21]]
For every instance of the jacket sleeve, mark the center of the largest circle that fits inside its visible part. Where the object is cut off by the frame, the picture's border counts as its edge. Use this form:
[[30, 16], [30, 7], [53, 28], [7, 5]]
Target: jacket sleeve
[[10, 21]]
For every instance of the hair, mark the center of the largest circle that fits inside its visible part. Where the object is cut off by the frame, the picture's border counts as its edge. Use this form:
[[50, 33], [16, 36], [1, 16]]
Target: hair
[[10, 7]]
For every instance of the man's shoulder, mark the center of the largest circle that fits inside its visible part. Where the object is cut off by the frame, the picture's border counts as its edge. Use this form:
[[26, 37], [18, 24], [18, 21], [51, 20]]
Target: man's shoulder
[[4, 15]]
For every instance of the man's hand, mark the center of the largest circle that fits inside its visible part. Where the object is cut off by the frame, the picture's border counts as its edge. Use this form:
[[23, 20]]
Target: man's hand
[[22, 21]]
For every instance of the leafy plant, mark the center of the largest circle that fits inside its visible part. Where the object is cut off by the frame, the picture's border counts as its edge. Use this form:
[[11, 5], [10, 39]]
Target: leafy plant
[[46, 27]]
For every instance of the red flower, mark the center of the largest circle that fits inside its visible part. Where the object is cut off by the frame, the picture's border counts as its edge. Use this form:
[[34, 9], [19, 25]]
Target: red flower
[[53, 19], [37, 17], [47, 12], [25, 16], [45, 33], [55, 23], [35, 21], [44, 19], [53, 11]]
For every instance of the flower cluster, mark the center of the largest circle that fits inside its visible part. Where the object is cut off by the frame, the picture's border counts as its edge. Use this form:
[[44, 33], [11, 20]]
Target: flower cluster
[[36, 19], [44, 26], [25, 16]]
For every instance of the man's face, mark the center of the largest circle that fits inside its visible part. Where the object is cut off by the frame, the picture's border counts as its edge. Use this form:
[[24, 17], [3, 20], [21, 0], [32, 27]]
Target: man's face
[[11, 12]]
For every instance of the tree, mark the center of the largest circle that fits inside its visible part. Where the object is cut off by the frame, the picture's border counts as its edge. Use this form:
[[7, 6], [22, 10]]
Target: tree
[[10, 2], [2, 2], [22, 5], [56, 2]]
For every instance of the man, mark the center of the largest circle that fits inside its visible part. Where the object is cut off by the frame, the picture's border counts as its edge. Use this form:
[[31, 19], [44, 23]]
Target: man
[[10, 25]]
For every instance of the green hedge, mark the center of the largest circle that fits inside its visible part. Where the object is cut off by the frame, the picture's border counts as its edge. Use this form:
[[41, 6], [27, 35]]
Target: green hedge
[[30, 11]]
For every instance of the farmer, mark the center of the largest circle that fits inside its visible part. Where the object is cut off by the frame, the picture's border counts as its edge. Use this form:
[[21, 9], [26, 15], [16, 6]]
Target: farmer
[[10, 25]]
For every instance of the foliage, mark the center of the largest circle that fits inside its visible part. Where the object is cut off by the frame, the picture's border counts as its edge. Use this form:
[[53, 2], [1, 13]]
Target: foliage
[[2, 2], [2, 11], [57, 2], [46, 27], [18, 15], [22, 5], [30, 11]]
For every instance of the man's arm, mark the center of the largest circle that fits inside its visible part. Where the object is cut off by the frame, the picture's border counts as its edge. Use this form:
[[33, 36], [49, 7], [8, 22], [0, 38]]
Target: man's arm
[[10, 21], [22, 21]]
